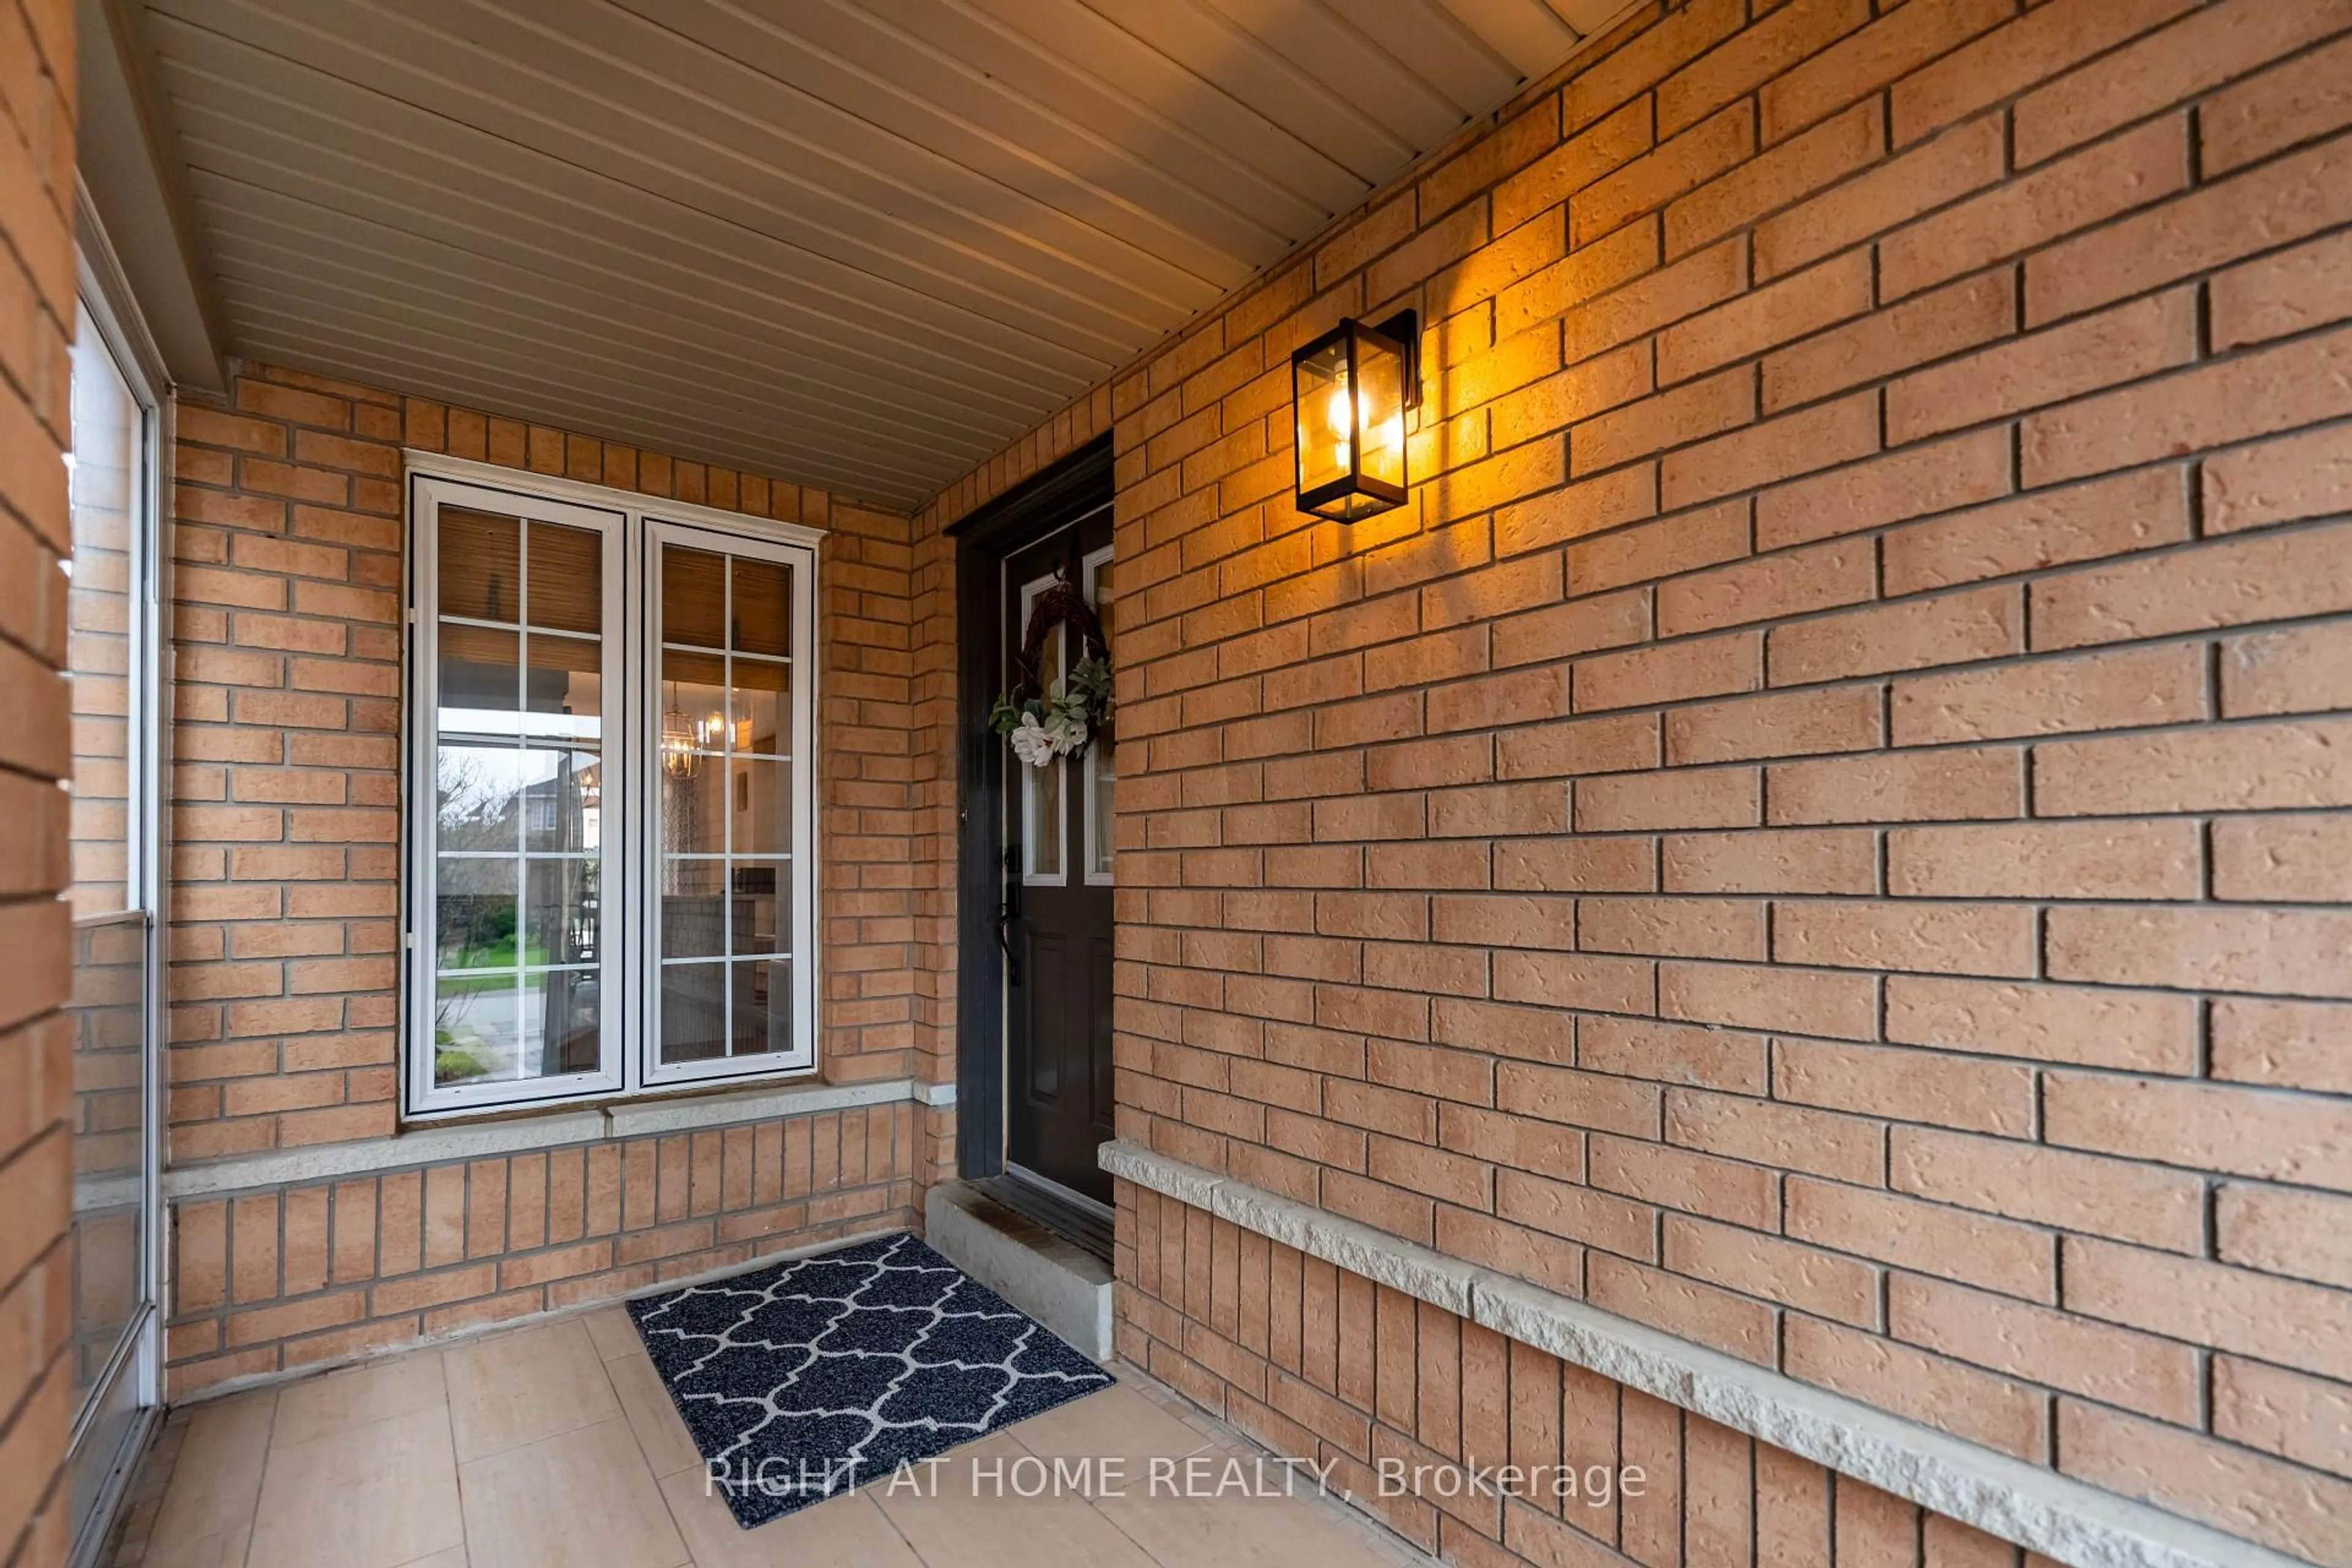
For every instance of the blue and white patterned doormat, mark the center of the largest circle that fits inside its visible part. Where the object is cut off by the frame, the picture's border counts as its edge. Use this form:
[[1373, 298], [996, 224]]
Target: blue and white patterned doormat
[[801, 1381]]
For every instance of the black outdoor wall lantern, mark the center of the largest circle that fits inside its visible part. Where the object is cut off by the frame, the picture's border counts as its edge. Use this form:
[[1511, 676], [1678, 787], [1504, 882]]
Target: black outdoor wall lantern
[[1349, 389]]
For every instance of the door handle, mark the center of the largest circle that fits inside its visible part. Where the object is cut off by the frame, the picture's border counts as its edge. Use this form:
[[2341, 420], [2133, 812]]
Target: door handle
[[1007, 912]]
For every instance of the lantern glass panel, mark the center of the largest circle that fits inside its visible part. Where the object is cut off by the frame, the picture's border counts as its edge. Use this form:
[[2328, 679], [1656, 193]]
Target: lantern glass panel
[[1380, 409], [1326, 416]]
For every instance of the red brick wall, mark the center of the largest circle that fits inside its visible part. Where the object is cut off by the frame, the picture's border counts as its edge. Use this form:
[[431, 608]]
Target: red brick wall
[[1324, 1365], [286, 796], [1821, 827], [282, 1278], [36, 326]]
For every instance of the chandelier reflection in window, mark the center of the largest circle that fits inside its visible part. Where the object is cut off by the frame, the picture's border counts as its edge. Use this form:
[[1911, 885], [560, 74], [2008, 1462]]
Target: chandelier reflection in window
[[683, 740]]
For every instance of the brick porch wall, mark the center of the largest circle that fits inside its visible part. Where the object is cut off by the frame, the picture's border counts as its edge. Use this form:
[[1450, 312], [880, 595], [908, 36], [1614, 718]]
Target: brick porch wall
[[1323, 1365], [37, 281], [1821, 828], [286, 813], [284, 896], [286, 1277]]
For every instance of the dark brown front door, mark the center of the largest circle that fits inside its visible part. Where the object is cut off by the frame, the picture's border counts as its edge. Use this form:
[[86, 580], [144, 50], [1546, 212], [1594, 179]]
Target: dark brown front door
[[1056, 899]]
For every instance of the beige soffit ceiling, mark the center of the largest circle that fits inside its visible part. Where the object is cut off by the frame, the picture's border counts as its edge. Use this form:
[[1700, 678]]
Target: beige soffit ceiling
[[859, 243]]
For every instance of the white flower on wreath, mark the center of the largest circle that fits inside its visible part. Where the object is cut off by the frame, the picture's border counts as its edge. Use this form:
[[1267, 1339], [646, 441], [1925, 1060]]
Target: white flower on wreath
[[1061, 732], [1031, 744]]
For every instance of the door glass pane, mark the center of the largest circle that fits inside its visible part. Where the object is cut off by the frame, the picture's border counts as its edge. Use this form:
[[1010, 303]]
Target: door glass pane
[[1101, 774], [521, 800], [1042, 820], [1042, 789], [727, 826], [109, 480]]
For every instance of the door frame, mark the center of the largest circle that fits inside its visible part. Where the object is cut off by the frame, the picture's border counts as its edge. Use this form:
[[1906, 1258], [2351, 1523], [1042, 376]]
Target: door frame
[[1079, 484]]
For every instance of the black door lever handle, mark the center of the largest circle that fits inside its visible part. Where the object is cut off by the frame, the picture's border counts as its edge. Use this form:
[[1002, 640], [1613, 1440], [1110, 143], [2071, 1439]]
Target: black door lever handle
[[1007, 912]]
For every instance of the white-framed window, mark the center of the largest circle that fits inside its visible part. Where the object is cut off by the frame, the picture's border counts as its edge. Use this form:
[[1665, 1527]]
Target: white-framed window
[[611, 795]]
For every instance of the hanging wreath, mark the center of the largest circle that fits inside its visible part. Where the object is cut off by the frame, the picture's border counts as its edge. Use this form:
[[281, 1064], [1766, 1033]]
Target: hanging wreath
[[1044, 725]]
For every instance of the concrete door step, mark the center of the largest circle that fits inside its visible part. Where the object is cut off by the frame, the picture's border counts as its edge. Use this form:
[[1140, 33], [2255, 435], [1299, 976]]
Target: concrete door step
[[1057, 1282]]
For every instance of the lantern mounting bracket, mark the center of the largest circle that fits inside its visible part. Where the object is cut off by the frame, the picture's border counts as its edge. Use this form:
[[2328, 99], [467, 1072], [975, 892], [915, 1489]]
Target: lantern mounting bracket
[[1404, 327]]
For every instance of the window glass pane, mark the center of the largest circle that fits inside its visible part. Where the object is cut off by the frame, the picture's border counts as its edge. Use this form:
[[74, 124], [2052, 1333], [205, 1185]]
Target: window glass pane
[[561, 915], [762, 619], [475, 1036], [693, 909], [109, 1020], [561, 798], [693, 806], [480, 798], [761, 799], [693, 1012], [565, 690], [693, 710], [475, 913], [567, 578], [481, 565], [694, 597], [727, 792], [762, 918], [481, 688], [559, 1022], [761, 707], [763, 1006], [517, 975], [108, 481]]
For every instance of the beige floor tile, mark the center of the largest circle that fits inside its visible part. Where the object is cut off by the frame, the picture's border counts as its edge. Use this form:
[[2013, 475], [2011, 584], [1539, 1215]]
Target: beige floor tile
[[583, 1499], [518, 1388], [957, 1527], [613, 1332], [1118, 1421], [225, 1549], [367, 1497], [453, 1557], [843, 1532], [653, 1416], [218, 1478], [357, 1395], [1244, 1532]]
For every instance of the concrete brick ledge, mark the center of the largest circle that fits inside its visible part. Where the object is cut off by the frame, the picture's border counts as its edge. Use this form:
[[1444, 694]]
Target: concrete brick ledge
[[434, 1144], [2066, 1519]]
